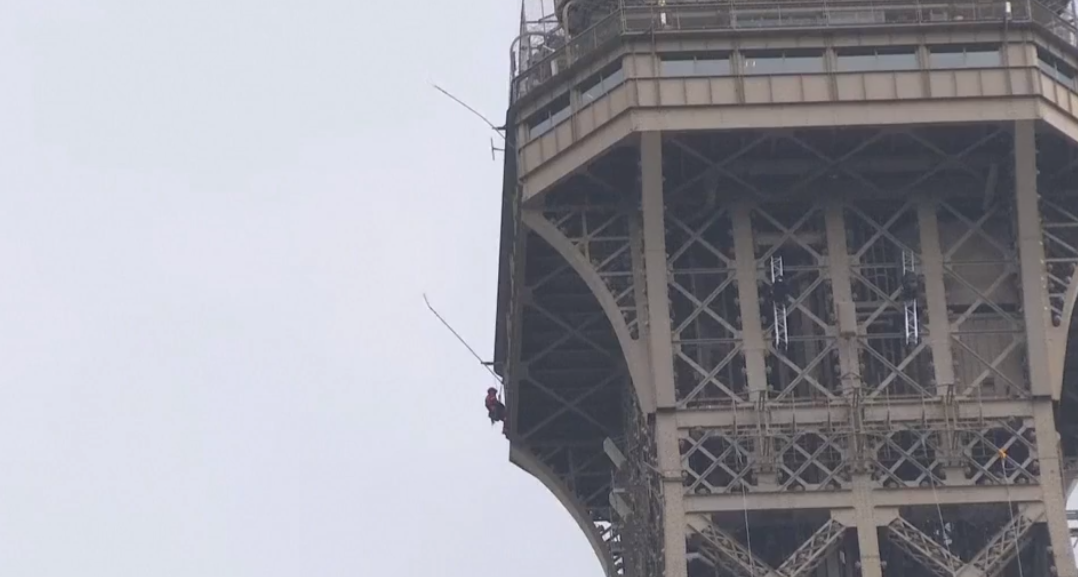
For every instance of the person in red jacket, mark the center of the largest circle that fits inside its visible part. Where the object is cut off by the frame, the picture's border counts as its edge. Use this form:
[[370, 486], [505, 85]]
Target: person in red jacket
[[495, 408]]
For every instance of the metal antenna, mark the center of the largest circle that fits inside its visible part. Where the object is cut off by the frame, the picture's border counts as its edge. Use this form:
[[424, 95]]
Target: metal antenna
[[485, 364], [909, 305], [498, 129], [778, 302]]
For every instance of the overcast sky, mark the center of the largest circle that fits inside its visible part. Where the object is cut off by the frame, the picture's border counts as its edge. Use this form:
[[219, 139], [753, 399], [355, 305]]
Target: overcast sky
[[217, 219]]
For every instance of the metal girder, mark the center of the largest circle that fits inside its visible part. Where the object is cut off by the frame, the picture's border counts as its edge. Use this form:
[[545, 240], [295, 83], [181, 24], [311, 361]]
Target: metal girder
[[734, 461], [989, 562], [898, 497], [925, 550], [892, 411], [601, 232], [1059, 214], [802, 561], [1005, 545], [724, 549]]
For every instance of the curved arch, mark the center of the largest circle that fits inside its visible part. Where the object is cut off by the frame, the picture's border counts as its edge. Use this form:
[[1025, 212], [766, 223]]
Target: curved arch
[[532, 465], [632, 350], [1058, 339]]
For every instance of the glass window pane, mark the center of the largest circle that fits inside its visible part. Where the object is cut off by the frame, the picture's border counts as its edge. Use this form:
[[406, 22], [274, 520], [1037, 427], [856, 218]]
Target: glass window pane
[[947, 60], [676, 67], [713, 67], [780, 63], [804, 64], [856, 63], [968, 57], [612, 81], [897, 61], [764, 65], [984, 59]]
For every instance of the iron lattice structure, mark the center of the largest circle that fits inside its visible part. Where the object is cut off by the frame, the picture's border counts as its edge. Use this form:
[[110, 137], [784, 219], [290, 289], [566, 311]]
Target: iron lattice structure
[[796, 298]]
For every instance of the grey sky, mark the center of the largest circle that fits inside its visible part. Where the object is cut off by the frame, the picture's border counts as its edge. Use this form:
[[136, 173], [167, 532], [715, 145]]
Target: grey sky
[[217, 218]]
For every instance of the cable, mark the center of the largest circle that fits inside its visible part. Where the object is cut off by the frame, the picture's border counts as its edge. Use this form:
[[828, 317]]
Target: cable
[[486, 365], [1010, 508], [744, 498]]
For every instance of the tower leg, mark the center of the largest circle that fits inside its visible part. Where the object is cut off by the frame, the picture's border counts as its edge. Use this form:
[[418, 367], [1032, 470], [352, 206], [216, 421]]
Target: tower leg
[[1035, 311], [661, 353]]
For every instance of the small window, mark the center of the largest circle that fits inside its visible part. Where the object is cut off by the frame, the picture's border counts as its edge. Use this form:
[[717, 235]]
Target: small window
[[1055, 67], [681, 65], [601, 83], [549, 116], [866, 59], [965, 57], [784, 62]]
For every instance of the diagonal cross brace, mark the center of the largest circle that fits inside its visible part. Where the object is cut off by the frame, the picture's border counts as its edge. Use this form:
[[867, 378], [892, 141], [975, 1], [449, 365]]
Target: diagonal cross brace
[[802, 561], [922, 548], [1006, 544], [724, 549]]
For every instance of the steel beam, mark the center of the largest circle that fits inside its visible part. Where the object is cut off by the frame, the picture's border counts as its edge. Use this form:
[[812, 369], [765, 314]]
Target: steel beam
[[879, 497], [893, 411]]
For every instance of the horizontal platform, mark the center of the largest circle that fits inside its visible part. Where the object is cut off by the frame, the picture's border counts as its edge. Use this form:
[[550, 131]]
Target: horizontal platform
[[905, 497], [907, 411]]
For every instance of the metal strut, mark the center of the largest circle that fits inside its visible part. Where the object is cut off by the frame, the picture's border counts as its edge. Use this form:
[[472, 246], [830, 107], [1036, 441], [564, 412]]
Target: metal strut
[[910, 292], [778, 303]]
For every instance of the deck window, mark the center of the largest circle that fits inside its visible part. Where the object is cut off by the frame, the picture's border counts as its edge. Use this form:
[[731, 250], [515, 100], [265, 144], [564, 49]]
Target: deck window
[[688, 65], [549, 116], [784, 62], [1055, 67], [979, 56], [884, 58], [596, 86]]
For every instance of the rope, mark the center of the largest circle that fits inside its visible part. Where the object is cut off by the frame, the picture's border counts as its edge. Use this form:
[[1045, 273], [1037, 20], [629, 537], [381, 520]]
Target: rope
[[497, 379], [744, 500], [1010, 508]]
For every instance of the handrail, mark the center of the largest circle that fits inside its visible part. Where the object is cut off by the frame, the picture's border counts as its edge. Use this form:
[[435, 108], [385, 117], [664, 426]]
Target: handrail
[[543, 63]]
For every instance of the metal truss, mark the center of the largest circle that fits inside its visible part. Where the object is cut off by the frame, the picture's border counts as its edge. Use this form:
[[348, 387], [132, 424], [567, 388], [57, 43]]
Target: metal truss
[[1059, 214], [1005, 545], [596, 217], [924, 549], [987, 329], [717, 461], [813, 551], [905, 455], [1000, 453], [570, 379], [708, 362], [884, 247], [571, 337], [811, 458], [990, 561], [724, 549], [637, 482], [803, 360]]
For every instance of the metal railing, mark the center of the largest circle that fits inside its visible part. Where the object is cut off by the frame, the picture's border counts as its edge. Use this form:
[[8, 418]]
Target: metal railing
[[539, 62]]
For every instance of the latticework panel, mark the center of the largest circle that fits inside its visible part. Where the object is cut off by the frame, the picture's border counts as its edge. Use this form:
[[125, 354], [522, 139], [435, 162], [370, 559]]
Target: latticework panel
[[1000, 453], [709, 365], [983, 297], [811, 458], [804, 365], [883, 242], [638, 483], [717, 460], [905, 455], [595, 217]]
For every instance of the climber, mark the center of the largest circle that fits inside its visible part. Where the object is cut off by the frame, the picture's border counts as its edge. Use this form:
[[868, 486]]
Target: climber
[[495, 408]]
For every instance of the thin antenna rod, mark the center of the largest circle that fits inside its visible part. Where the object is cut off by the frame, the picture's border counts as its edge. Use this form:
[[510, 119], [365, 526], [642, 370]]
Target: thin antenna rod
[[461, 339], [470, 109]]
